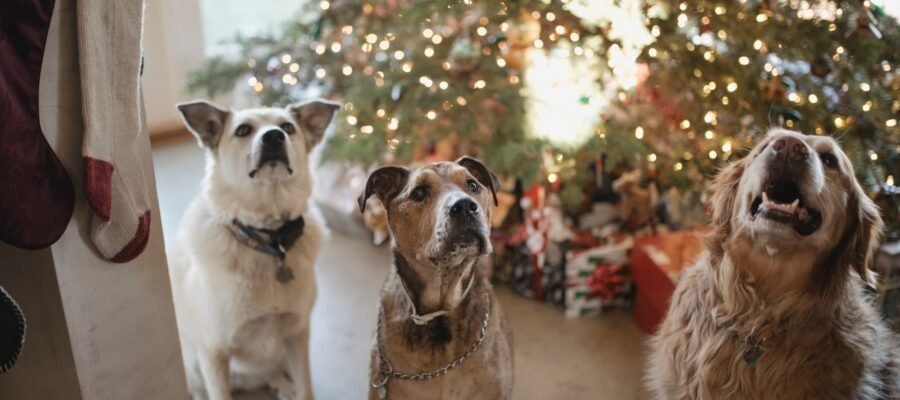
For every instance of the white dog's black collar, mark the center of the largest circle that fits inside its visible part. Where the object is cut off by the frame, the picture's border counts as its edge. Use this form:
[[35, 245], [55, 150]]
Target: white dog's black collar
[[280, 241]]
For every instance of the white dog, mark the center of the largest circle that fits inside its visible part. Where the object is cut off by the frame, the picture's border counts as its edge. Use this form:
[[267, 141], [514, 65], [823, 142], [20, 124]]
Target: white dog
[[242, 266]]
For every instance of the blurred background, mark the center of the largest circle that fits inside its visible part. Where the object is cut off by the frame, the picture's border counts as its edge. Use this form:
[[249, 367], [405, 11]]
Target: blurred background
[[604, 119]]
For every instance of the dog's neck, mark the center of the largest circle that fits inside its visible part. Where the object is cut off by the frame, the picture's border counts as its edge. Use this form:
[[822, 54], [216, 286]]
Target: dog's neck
[[260, 205], [434, 289]]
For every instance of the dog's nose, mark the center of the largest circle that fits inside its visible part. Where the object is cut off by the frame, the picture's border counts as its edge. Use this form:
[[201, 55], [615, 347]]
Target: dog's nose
[[465, 208], [790, 148], [273, 138]]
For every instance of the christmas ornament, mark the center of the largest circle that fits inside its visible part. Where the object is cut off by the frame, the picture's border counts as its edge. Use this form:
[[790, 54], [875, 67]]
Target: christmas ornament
[[520, 37], [866, 27], [821, 66], [464, 55]]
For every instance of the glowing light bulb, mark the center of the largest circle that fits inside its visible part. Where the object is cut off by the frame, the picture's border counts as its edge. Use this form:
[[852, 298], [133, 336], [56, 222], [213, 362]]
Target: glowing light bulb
[[639, 132], [351, 120], [813, 98]]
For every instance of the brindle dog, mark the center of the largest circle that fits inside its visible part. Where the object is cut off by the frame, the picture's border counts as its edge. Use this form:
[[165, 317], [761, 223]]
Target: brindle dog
[[437, 314]]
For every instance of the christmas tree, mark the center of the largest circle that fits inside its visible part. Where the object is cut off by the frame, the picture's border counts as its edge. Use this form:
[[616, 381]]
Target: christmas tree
[[432, 80]]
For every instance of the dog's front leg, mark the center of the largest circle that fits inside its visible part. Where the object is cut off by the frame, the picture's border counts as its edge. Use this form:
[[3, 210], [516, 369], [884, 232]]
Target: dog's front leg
[[214, 367], [298, 363]]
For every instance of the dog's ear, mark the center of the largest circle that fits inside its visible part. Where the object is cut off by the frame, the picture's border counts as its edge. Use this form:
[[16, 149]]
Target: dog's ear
[[384, 182], [860, 240], [482, 173], [725, 187], [313, 116], [205, 120]]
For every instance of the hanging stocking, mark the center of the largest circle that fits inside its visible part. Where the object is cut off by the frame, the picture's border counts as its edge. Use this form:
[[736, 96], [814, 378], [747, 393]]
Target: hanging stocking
[[36, 194], [115, 183], [12, 331]]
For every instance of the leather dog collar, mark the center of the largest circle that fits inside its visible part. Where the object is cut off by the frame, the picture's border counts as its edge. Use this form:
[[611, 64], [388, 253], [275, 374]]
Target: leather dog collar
[[280, 241]]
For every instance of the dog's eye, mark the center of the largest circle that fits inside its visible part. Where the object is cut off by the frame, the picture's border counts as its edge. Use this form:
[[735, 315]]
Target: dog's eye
[[288, 128], [473, 186], [243, 130], [419, 193], [828, 159]]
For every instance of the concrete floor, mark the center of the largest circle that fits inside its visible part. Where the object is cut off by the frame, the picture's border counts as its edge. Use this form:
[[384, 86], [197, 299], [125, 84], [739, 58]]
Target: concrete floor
[[555, 358]]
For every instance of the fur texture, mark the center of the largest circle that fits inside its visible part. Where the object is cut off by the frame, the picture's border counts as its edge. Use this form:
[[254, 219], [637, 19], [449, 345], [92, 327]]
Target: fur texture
[[240, 328], [798, 296]]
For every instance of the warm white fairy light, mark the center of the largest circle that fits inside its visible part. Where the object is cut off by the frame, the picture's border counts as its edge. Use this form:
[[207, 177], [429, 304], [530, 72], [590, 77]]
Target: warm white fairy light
[[443, 85], [761, 17], [685, 124], [429, 51], [351, 120], [709, 135], [731, 87], [481, 31], [479, 84], [320, 48], [757, 44], [501, 62], [794, 97], [574, 36], [538, 43], [639, 132], [380, 113], [461, 100], [726, 147], [890, 123], [335, 47], [437, 39], [651, 52], [426, 81], [867, 105], [347, 29], [398, 55], [407, 67], [324, 5], [838, 122], [428, 33], [431, 115], [320, 73], [252, 81], [864, 87], [394, 124], [743, 60], [371, 38], [347, 70], [655, 31], [709, 117], [709, 56], [682, 20], [384, 44], [713, 155], [285, 58], [367, 129], [560, 30], [813, 99], [678, 166], [651, 157]]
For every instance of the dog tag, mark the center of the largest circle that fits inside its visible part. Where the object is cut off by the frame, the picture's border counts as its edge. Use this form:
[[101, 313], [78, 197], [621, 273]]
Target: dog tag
[[284, 273]]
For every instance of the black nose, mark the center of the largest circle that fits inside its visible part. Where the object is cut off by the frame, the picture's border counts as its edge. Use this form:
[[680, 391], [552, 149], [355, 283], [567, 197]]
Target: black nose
[[465, 208], [790, 149], [273, 138]]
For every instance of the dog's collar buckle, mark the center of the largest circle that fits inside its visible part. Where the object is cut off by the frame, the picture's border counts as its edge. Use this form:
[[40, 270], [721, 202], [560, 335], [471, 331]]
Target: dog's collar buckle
[[280, 241]]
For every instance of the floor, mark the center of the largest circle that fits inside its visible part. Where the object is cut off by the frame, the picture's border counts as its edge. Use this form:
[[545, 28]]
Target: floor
[[555, 358]]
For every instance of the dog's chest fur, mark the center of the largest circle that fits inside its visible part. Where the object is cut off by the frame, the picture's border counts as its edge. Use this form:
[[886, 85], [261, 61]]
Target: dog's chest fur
[[240, 294], [840, 357]]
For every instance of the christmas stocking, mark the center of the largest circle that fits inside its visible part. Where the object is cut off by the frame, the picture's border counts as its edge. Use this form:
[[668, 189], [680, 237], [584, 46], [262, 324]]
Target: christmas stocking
[[115, 183], [36, 194]]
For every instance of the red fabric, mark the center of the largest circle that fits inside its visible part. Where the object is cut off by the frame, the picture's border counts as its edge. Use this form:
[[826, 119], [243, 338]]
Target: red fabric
[[98, 186], [36, 194], [137, 244]]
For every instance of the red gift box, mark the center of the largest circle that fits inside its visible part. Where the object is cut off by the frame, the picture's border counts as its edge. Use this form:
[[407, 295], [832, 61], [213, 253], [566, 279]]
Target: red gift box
[[655, 283]]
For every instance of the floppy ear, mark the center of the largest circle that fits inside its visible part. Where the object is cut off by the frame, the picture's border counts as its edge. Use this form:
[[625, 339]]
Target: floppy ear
[[205, 120], [725, 187], [482, 173], [313, 116], [384, 182], [860, 241]]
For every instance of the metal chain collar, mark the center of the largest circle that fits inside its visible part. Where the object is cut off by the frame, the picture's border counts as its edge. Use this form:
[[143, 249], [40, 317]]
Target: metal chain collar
[[386, 370]]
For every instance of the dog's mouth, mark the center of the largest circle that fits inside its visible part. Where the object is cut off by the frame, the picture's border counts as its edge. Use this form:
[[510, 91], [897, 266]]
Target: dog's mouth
[[272, 159], [462, 243], [781, 201]]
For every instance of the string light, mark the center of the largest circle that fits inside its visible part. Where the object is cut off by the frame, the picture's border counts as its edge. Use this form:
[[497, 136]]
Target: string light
[[407, 67], [685, 124], [651, 157], [285, 58], [890, 180], [757, 44], [252, 81], [552, 178], [551, 16], [335, 47], [481, 31], [813, 98], [324, 5], [538, 43], [639, 132], [367, 129], [428, 33], [891, 123], [731, 87], [838, 122], [759, 18], [398, 55], [394, 124], [864, 87], [726, 147], [437, 39], [713, 154], [347, 70], [678, 166], [351, 120], [426, 81], [709, 135], [320, 48], [429, 51], [479, 84], [431, 115], [380, 113], [743, 60], [574, 36], [461, 100], [443, 85], [320, 73]]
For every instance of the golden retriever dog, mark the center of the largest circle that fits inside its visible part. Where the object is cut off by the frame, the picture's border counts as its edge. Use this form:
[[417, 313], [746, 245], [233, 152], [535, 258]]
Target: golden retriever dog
[[777, 306]]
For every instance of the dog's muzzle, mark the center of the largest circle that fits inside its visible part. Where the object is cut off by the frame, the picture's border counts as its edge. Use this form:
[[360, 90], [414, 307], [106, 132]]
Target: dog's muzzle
[[466, 227], [273, 152], [781, 199]]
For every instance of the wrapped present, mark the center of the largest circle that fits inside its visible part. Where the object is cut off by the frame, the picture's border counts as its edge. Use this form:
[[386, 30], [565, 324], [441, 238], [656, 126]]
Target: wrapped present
[[656, 264], [597, 279]]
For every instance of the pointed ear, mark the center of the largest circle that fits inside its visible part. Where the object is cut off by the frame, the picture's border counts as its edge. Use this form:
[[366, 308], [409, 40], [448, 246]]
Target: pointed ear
[[384, 182], [725, 187], [482, 173], [205, 120], [313, 116]]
